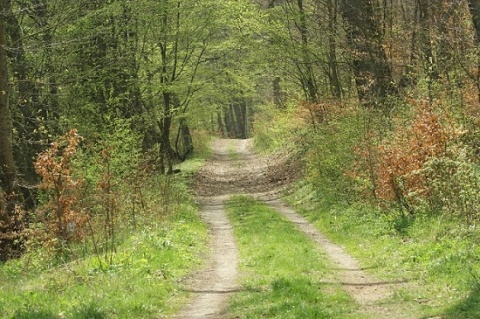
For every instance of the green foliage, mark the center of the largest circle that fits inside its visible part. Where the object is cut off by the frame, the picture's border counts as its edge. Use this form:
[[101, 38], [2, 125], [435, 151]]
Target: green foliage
[[141, 278], [88, 311], [124, 147], [330, 158], [323, 137], [288, 128], [454, 183], [30, 313]]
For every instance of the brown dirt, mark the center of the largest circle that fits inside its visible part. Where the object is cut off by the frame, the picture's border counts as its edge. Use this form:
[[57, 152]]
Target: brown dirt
[[235, 169]]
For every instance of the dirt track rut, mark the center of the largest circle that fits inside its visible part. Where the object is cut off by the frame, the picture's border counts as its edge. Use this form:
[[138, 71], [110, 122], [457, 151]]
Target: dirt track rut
[[234, 169]]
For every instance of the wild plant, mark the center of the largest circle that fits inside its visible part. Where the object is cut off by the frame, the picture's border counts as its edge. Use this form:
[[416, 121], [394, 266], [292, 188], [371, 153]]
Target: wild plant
[[63, 220]]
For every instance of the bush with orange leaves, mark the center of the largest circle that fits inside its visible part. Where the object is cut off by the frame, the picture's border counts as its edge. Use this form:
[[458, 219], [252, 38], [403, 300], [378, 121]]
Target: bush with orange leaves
[[400, 175], [63, 221]]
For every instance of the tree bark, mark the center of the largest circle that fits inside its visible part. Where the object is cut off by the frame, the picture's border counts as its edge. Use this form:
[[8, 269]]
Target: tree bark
[[427, 52], [277, 93], [184, 141], [9, 223], [166, 150], [309, 82], [373, 74], [334, 78], [7, 162], [474, 7]]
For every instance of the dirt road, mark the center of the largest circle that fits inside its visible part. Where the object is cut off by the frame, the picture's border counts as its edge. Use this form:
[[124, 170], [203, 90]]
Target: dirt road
[[235, 169]]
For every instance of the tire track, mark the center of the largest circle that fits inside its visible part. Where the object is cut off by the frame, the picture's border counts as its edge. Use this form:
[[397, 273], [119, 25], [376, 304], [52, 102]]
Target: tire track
[[212, 286], [234, 169]]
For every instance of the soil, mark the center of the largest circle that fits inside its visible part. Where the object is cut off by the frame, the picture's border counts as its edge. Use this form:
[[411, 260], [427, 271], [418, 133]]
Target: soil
[[235, 169]]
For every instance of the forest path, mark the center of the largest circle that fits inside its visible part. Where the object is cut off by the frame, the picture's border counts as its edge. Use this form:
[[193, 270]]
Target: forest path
[[235, 169]]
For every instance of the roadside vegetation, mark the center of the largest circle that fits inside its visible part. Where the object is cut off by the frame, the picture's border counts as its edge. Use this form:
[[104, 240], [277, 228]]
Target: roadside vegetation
[[399, 192], [110, 241], [101, 100]]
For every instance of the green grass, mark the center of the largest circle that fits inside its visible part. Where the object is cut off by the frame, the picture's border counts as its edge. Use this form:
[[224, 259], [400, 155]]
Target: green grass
[[438, 256], [141, 280], [283, 274]]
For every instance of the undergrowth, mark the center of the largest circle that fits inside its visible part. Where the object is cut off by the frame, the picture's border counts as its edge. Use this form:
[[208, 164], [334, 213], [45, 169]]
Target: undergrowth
[[112, 240], [438, 257], [424, 233], [139, 280]]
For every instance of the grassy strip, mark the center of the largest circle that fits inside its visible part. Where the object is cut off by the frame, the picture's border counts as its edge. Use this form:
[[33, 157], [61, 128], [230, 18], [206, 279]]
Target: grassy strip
[[438, 256], [284, 275], [141, 280]]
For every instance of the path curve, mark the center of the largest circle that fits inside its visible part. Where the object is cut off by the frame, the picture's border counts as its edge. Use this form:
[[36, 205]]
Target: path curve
[[234, 169]]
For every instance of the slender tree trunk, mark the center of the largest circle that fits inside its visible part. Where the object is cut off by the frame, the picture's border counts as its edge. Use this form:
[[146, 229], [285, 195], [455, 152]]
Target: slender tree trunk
[[239, 111], [166, 151], [228, 121], [425, 41], [277, 93], [220, 123], [9, 222], [334, 78], [183, 142], [26, 101], [7, 162], [309, 82], [474, 7]]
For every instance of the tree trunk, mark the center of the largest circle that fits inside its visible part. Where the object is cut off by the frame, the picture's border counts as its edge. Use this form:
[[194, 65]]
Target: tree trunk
[[221, 126], [240, 118], [27, 103], [228, 121], [9, 223], [166, 151], [474, 7], [309, 83], [277, 93], [373, 74], [425, 41], [184, 142], [333, 76]]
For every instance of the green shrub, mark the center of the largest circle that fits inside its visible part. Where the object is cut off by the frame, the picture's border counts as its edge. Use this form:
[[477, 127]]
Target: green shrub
[[454, 183]]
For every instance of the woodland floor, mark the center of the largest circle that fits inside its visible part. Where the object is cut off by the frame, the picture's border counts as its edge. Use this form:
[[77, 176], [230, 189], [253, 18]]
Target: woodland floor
[[235, 169]]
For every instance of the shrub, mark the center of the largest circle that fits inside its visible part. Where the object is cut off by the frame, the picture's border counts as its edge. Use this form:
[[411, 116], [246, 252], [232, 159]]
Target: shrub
[[425, 166], [63, 220], [454, 184]]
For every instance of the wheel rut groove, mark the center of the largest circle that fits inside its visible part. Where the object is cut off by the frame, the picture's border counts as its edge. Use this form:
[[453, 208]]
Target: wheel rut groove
[[356, 281], [211, 286], [234, 169]]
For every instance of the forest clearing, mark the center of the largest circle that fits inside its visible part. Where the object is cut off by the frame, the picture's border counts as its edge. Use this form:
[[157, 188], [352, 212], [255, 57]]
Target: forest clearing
[[240, 159]]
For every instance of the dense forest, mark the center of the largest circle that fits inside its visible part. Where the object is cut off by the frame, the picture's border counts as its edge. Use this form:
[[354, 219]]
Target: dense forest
[[133, 78], [379, 98]]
